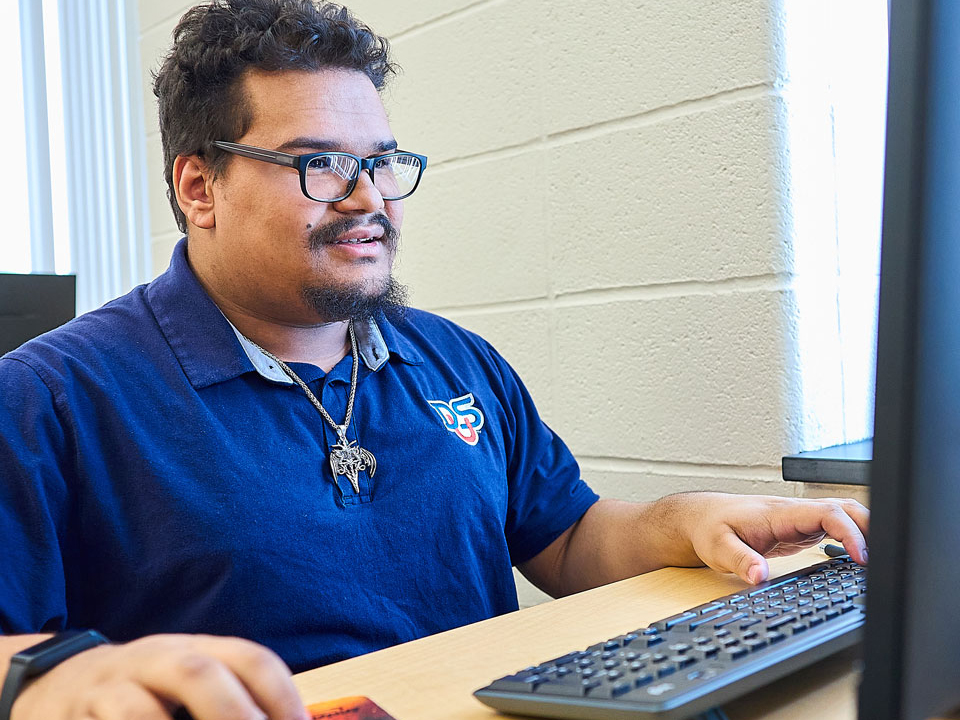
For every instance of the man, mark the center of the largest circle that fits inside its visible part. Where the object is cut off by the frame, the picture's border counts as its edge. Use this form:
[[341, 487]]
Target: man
[[263, 443]]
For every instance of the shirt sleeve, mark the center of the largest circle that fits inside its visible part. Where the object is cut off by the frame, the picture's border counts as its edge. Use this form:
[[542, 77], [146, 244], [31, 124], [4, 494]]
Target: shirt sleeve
[[33, 497], [546, 493]]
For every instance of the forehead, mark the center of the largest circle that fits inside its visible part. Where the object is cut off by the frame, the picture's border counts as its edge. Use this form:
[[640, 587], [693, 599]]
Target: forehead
[[341, 106]]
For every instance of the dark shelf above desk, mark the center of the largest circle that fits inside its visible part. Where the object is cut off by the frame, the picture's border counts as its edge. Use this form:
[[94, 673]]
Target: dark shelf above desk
[[842, 464]]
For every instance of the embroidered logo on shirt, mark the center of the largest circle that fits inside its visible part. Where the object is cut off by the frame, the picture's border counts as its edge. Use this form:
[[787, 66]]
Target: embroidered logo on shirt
[[461, 417]]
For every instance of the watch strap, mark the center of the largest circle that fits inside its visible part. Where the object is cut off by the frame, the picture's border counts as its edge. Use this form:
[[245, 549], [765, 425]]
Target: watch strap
[[40, 658]]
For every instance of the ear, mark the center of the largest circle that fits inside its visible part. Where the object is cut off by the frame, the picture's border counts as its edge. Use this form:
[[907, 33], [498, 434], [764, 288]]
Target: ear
[[193, 182]]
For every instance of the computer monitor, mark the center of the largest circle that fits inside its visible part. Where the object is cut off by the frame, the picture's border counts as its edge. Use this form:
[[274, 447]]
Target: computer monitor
[[32, 304], [912, 636]]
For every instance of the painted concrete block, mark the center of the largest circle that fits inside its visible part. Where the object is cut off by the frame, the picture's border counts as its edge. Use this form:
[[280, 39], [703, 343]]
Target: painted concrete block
[[157, 12], [392, 18], [695, 197], [469, 85], [523, 338], [475, 234], [695, 379], [649, 486], [614, 59]]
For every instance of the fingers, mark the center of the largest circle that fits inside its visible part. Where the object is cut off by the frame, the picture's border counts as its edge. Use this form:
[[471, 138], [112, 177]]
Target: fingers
[[124, 700], [214, 678], [201, 683], [730, 554], [264, 675], [844, 520]]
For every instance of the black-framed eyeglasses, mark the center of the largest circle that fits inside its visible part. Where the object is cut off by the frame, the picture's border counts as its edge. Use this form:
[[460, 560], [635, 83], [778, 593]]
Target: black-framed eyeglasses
[[332, 176]]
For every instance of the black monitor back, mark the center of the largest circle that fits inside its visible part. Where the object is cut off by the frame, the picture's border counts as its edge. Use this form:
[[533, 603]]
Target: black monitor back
[[32, 304], [912, 639]]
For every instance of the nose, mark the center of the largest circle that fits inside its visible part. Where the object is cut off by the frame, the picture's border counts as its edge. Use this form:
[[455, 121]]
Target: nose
[[365, 197]]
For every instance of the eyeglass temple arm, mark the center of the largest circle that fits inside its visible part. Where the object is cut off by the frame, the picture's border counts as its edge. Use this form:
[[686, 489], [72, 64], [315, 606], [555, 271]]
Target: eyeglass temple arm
[[272, 156]]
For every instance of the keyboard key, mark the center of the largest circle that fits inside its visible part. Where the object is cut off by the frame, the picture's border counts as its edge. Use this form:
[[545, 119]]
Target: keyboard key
[[754, 644], [733, 653], [665, 670], [729, 620], [707, 619], [570, 685], [706, 651], [643, 679], [782, 620], [517, 683], [709, 608], [673, 621], [620, 689], [588, 685]]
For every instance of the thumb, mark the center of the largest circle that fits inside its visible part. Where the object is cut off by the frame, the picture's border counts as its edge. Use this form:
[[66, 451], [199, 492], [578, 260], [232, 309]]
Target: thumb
[[730, 554]]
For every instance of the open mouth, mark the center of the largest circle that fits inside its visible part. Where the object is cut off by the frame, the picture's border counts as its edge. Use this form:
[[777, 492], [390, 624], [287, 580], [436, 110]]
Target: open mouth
[[356, 241]]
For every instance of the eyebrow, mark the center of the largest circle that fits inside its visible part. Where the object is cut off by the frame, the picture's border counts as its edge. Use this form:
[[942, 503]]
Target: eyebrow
[[323, 145]]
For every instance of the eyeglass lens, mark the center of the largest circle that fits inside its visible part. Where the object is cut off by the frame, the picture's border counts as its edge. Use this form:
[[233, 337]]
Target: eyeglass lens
[[330, 176]]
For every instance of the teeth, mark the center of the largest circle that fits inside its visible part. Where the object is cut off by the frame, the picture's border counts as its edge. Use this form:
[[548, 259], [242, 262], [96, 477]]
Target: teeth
[[356, 241]]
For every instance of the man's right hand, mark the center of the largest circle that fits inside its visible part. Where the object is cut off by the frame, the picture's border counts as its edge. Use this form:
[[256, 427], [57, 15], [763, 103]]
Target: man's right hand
[[214, 678]]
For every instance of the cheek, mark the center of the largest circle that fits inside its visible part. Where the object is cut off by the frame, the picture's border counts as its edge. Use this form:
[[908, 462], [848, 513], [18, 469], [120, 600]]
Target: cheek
[[394, 212]]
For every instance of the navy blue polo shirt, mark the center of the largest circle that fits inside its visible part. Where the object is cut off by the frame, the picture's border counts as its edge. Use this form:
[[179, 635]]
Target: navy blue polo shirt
[[159, 475]]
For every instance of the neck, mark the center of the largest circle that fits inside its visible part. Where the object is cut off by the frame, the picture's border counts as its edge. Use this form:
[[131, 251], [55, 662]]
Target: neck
[[322, 344]]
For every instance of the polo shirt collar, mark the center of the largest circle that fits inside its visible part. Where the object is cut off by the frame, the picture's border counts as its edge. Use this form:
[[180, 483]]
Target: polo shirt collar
[[210, 350]]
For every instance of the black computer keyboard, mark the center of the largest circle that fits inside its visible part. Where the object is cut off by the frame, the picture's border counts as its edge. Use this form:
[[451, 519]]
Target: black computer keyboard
[[686, 664]]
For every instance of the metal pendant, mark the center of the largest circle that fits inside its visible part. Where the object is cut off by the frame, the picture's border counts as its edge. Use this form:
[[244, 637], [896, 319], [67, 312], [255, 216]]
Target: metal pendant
[[348, 458]]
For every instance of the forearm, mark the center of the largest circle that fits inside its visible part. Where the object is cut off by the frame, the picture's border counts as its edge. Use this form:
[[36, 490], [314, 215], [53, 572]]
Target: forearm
[[730, 533], [617, 539]]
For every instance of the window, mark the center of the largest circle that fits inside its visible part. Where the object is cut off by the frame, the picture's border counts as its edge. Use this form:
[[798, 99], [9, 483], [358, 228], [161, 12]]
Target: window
[[78, 150], [835, 93], [33, 199]]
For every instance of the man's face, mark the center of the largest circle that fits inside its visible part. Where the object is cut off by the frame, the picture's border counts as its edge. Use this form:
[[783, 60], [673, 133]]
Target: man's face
[[280, 255]]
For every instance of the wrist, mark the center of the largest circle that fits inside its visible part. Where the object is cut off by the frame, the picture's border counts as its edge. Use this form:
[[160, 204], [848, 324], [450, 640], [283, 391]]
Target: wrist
[[32, 662]]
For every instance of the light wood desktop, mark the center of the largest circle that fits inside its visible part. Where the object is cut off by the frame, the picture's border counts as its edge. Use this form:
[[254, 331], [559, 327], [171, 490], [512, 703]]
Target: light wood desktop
[[434, 677]]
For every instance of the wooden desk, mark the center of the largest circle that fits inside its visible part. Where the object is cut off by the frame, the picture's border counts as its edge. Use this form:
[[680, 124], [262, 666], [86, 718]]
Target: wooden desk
[[434, 677]]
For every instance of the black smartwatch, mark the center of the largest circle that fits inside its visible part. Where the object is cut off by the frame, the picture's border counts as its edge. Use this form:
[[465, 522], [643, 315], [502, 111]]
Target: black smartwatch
[[39, 658]]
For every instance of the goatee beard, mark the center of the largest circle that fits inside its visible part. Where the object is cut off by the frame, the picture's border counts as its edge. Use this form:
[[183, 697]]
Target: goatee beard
[[360, 301]]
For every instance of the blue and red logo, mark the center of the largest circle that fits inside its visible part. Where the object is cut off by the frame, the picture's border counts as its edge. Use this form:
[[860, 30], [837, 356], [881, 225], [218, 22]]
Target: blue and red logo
[[461, 417]]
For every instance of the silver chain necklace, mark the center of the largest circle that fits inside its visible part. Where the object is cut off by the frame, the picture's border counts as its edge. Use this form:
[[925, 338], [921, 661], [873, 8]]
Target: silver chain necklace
[[346, 457]]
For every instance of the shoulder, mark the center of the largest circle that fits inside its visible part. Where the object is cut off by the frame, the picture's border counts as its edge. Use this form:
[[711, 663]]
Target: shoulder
[[429, 332], [117, 330]]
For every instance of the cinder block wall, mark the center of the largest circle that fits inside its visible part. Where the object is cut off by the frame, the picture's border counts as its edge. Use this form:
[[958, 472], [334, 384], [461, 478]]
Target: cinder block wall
[[606, 201]]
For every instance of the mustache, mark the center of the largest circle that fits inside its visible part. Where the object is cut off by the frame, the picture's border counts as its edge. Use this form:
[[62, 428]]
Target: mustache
[[328, 234]]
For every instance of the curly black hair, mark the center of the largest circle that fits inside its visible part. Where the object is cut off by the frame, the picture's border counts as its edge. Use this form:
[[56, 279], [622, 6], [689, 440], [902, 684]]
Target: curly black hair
[[199, 83]]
